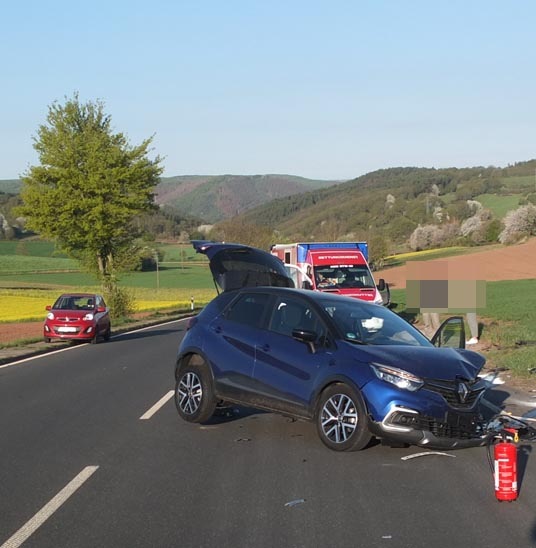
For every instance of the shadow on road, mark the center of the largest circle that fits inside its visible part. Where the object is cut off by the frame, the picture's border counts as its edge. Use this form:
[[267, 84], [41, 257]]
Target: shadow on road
[[522, 460], [146, 334], [231, 413]]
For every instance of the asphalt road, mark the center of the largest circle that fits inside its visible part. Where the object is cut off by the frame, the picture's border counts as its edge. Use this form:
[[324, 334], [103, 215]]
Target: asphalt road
[[80, 467]]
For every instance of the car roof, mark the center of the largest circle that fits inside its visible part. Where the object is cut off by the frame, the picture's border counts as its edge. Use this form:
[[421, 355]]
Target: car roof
[[79, 295], [234, 266], [319, 297]]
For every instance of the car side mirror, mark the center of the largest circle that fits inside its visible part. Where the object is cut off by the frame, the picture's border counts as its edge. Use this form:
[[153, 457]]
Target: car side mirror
[[385, 293], [48, 307], [381, 284], [307, 285], [101, 309], [307, 337], [451, 333]]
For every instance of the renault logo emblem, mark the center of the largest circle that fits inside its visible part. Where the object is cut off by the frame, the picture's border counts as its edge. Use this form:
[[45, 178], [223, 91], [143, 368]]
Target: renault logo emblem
[[463, 391]]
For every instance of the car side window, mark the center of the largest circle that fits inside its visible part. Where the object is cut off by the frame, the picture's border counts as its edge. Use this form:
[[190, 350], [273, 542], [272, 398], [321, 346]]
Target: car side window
[[290, 313], [248, 309]]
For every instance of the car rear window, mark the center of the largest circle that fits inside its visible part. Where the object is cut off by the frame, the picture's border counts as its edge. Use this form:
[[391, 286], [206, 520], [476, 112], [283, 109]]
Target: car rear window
[[249, 309]]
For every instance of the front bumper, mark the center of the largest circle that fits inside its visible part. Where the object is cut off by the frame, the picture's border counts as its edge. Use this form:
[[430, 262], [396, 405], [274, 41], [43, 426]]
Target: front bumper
[[76, 331], [453, 431]]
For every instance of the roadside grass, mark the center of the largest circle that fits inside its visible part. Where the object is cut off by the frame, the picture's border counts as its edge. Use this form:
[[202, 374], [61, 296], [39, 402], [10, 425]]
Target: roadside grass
[[507, 324]]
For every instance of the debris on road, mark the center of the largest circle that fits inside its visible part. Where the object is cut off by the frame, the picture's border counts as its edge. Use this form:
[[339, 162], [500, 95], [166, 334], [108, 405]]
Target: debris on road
[[243, 439], [425, 454], [294, 502]]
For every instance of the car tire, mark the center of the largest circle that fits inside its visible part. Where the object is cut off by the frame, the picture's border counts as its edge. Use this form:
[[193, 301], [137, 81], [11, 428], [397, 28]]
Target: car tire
[[47, 339], [194, 393], [108, 334], [95, 339], [341, 419]]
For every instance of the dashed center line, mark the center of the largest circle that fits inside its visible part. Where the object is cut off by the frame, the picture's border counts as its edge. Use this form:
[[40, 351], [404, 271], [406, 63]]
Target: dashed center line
[[160, 403], [33, 524]]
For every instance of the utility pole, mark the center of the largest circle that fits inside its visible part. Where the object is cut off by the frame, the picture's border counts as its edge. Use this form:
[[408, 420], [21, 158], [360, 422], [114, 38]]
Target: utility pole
[[157, 271]]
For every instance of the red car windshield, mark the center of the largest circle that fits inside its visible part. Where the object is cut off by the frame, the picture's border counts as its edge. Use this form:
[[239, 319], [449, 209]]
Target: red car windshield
[[70, 302]]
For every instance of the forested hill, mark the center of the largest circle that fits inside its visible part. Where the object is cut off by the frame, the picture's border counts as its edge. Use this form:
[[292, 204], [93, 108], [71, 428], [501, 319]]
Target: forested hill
[[393, 202], [388, 203], [214, 198]]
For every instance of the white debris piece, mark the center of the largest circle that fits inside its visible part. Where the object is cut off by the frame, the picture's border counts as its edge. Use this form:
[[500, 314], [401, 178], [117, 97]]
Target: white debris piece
[[294, 502], [415, 455]]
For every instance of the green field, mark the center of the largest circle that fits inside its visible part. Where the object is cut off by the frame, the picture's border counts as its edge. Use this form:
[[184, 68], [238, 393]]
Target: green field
[[499, 205], [524, 183], [194, 276], [36, 264]]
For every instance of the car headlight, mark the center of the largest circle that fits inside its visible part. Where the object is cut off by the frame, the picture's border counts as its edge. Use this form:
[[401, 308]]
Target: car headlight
[[398, 377], [50, 316], [88, 317]]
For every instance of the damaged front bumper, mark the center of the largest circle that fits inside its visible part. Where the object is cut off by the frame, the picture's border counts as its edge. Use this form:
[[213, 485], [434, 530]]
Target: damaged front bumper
[[456, 430]]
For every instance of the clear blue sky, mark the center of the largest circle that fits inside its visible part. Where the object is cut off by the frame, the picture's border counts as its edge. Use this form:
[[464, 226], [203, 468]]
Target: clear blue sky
[[328, 90]]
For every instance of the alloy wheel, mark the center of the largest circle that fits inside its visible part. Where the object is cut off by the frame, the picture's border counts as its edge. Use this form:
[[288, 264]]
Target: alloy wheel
[[189, 393], [339, 418]]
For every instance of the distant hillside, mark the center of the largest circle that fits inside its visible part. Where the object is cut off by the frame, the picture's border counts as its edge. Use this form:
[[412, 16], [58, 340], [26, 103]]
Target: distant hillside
[[388, 203], [393, 202], [215, 198], [10, 186]]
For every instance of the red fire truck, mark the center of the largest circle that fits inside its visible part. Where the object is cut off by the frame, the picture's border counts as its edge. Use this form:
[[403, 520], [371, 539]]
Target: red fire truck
[[335, 267]]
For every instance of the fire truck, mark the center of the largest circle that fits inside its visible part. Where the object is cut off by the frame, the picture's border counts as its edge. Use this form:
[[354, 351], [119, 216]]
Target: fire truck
[[334, 267]]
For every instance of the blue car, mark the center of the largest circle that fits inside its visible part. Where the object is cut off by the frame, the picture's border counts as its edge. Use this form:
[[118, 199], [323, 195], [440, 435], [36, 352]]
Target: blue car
[[356, 369]]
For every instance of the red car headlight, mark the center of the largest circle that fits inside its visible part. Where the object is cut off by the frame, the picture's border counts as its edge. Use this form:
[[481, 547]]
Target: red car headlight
[[50, 316], [88, 317]]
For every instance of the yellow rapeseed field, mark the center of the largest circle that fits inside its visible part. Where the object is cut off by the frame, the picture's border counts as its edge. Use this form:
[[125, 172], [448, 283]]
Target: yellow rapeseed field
[[413, 254], [14, 308], [26, 305]]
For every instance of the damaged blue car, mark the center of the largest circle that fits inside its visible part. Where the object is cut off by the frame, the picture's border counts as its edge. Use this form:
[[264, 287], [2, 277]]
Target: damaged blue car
[[358, 370]]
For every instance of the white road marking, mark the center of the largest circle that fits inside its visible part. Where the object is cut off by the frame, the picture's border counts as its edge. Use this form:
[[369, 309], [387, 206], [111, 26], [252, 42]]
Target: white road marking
[[44, 354], [31, 526], [160, 403]]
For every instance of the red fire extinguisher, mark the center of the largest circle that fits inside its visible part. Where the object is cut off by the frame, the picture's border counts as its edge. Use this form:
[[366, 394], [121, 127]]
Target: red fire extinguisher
[[505, 467]]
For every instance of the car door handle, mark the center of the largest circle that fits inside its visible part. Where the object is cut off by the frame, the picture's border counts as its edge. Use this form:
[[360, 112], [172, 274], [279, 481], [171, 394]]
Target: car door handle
[[264, 347], [217, 329]]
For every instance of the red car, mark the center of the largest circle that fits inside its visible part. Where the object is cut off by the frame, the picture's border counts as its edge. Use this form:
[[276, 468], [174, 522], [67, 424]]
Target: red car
[[79, 317]]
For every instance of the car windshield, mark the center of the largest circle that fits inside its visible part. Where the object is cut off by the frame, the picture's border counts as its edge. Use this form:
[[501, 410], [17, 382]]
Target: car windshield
[[340, 277], [72, 302], [366, 324]]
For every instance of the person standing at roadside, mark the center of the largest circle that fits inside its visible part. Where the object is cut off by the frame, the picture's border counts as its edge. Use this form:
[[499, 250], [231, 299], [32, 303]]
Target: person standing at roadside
[[472, 322]]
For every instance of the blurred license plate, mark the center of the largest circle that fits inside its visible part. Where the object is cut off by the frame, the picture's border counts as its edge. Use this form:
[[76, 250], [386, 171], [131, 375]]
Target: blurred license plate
[[465, 421], [66, 329]]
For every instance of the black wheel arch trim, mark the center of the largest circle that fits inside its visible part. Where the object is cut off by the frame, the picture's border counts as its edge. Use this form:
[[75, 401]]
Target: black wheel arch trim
[[183, 360], [334, 379]]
